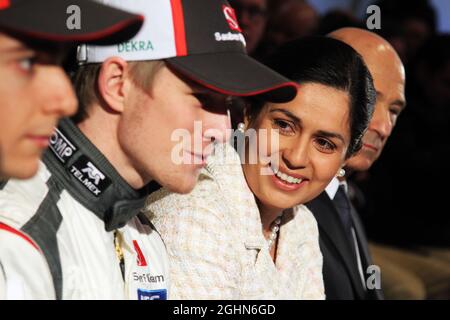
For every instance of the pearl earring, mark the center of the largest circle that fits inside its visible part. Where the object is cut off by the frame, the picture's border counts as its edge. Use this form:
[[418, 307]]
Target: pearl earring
[[241, 127], [341, 173]]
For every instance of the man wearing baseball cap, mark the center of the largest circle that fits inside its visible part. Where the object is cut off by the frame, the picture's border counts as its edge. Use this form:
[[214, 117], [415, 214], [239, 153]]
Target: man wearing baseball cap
[[150, 109], [35, 92]]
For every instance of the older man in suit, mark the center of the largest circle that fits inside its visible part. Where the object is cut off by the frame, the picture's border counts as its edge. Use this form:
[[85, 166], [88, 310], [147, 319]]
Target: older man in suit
[[347, 268]]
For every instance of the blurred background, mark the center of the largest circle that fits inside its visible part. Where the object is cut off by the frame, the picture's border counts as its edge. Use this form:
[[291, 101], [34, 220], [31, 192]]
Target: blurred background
[[402, 199]]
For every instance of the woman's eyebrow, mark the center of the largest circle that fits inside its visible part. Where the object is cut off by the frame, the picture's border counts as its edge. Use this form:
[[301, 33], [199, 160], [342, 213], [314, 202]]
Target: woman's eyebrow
[[288, 114], [322, 133], [328, 134]]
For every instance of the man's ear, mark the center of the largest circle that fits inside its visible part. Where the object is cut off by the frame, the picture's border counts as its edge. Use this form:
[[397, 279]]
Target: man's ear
[[112, 84]]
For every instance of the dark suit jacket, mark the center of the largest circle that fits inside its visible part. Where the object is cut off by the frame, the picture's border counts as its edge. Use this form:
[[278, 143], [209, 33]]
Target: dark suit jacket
[[340, 269]]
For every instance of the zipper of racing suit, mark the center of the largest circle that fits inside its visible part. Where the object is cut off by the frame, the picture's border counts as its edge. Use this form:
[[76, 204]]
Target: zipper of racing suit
[[119, 252]]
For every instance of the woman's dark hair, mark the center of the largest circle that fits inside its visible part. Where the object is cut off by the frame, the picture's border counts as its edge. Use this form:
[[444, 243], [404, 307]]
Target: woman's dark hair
[[332, 63]]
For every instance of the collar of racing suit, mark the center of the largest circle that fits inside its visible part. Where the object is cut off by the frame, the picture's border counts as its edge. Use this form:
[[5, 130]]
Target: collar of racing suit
[[89, 177]]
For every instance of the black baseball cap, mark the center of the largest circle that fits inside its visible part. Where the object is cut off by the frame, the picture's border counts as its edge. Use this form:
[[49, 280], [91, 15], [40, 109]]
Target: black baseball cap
[[47, 20], [216, 55], [202, 40]]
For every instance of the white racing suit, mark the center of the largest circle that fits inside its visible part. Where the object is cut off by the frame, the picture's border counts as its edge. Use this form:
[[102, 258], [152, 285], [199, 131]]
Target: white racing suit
[[75, 231]]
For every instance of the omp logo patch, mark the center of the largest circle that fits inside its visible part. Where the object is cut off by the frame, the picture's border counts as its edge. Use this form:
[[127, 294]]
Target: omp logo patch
[[61, 146], [89, 175], [152, 294]]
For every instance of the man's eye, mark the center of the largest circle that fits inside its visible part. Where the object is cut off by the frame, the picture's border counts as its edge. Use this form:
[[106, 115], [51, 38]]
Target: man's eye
[[395, 111], [26, 64]]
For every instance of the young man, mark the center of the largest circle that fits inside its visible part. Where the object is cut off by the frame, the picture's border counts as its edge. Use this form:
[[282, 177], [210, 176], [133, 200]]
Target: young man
[[343, 242], [35, 93], [34, 88], [82, 211]]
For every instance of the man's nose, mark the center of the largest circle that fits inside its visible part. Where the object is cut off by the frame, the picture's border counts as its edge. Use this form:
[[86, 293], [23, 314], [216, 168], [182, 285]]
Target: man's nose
[[60, 99], [381, 122]]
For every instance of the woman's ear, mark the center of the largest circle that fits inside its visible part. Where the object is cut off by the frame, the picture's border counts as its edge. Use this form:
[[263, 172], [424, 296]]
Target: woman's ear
[[112, 84]]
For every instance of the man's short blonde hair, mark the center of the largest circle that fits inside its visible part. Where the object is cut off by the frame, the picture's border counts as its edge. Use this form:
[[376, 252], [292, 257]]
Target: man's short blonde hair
[[142, 73]]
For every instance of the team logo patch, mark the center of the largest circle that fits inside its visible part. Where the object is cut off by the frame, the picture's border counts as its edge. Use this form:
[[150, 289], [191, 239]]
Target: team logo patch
[[141, 262], [61, 146], [152, 294], [230, 15], [89, 175]]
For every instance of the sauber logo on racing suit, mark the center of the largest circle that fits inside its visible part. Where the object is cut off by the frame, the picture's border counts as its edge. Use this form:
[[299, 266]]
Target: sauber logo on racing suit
[[141, 262], [89, 175]]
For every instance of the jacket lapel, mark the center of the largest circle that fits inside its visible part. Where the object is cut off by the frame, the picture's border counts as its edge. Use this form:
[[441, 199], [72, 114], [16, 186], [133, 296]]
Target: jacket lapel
[[331, 227], [363, 248]]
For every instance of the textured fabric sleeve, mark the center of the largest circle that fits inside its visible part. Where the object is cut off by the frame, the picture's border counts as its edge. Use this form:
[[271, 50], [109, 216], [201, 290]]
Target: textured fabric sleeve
[[314, 287], [200, 247], [24, 272]]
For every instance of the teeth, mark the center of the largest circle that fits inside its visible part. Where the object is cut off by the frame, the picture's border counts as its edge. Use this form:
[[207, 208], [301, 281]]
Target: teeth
[[286, 177], [275, 170]]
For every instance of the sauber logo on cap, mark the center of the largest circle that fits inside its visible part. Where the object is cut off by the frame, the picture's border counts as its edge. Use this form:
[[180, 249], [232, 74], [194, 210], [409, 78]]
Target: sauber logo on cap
[[230, 15], [4, 4]]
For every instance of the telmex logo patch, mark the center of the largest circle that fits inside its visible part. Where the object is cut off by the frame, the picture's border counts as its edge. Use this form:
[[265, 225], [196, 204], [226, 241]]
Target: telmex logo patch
[[89, 175]]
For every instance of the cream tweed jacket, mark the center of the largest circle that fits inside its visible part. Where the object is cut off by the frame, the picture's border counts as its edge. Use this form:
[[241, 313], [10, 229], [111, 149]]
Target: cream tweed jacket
[[216, 246]]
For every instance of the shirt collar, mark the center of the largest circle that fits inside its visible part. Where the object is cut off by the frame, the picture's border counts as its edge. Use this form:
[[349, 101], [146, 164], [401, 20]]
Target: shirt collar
[[333, 187], [90, 178]]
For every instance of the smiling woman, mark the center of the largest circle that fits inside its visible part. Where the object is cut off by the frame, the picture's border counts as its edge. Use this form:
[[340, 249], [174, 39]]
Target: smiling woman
[[318, 130], [312, 142], [242, 234]]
